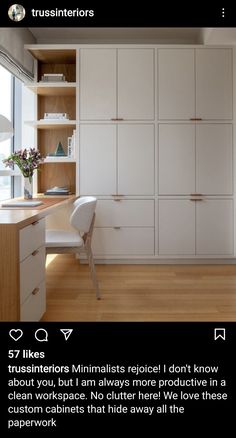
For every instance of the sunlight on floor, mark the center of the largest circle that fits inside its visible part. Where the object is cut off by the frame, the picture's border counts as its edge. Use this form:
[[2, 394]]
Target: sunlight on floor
[[50, 258]]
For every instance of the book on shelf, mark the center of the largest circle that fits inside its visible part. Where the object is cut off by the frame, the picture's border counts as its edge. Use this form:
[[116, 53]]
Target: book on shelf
[[71, 145], [53, 77], [56, 116], [57, 191]]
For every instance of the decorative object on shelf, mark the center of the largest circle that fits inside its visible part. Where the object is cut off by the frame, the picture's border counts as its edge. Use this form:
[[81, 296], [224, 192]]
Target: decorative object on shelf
[[28, 160], [59, 151], [6, 129]]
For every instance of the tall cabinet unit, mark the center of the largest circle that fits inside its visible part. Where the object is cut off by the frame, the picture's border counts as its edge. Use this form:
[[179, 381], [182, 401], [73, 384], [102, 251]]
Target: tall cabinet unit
[[117, 147], [195, 163]]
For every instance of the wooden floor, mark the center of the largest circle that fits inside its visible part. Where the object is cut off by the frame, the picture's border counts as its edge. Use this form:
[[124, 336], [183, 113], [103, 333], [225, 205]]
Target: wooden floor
[[140, 292]]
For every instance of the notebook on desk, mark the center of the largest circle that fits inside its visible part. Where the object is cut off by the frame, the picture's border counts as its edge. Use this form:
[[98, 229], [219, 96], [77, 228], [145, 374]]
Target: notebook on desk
[[22, 204]]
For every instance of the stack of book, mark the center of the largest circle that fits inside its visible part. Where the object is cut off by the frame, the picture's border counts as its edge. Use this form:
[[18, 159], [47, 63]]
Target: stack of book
[[53, 77], [57, 191], [71, 145]]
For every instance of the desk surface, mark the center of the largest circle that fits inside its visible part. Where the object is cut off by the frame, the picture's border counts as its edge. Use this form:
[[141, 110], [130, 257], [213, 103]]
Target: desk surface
[[22, 216]]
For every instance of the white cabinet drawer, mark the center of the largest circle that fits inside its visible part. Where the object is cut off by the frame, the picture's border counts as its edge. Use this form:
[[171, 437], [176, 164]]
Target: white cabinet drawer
[[31, 238], [35, 305], [125, 213], [123, 241], [32, 272]]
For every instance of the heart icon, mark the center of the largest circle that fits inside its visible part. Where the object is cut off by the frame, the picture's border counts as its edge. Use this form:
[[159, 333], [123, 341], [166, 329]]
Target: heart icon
[[16, 334]]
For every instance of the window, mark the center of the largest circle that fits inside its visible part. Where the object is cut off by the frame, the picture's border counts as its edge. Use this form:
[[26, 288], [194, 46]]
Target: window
[[10, 107]]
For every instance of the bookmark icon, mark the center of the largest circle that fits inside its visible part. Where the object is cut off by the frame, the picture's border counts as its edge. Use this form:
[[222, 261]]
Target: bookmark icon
[[66, 333]]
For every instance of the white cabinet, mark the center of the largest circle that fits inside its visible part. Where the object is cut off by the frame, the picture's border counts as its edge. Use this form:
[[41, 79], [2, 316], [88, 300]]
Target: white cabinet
[[97, 84], [214, 159], [176, 84], [117, 83], [124, 227], [214, 227], [135, 169], [195, 158], [32, 271], [176, 227], [125, 213], [195, 83], [193, 227], [117, 159], [214, 83], [123, 241], [136, 84], [97, 159], [176, 164]]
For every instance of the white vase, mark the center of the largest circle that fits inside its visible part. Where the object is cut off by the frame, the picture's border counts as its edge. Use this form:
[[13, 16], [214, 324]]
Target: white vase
[[28, 188]]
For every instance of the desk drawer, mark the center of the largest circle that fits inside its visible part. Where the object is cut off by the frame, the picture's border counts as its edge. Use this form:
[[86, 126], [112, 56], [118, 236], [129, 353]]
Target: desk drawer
[[32, 272], [35, 305], [31, 238], [125, 213], [123, 241]]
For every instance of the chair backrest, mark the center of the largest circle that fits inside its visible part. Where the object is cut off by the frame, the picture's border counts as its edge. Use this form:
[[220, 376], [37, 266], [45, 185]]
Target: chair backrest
[[82, 215]]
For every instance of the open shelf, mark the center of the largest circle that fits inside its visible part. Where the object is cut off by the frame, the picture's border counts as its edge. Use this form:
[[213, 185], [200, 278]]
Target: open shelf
[[64, 159], [55, 97], [53, 88], [44, 124]]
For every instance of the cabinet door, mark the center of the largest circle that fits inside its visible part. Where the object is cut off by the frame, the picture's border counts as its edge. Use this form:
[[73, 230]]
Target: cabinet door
[[214, 227], [123, 241], [176, 84], [214, 83], [136, 84], [176, 227], [176, 159], [214, 159], [97, 159], [97, 84], [125, 213], [136, 159]]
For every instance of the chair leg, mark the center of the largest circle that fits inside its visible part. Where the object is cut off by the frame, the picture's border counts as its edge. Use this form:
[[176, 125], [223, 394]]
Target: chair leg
[[93, 273]]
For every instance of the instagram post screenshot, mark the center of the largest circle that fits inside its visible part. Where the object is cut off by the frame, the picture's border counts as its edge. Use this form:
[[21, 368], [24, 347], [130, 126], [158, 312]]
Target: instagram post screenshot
[[117, 218]]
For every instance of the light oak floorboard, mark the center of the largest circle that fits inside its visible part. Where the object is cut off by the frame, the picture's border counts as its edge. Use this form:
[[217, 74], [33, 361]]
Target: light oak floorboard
[[140, 292]]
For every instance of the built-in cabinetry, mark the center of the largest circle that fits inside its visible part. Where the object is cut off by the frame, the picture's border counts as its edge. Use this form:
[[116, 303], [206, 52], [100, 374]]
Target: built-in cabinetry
[[195, 84], [155, 145], [117, 84], [120, 159], [32, 271]]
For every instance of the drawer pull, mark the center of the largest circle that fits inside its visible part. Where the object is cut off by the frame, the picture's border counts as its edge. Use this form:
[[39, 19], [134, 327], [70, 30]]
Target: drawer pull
[[117, 196], [35, 223], [34, 253], [196, 194], [117, 228], [116, 119], [196, 199], [195, 119], [35, 291]]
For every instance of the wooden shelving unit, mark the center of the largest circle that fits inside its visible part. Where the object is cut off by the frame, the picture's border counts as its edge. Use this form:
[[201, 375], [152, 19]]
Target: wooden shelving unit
[[55, 97]]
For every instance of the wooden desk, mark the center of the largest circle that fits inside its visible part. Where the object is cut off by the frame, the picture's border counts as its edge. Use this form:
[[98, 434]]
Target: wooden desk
[[21, 242]]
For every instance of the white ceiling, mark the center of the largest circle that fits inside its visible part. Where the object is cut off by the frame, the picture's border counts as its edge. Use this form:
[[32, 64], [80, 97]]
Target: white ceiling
[[139, 35]]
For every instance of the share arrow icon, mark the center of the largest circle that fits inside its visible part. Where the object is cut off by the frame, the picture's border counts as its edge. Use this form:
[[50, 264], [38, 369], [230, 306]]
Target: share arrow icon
[[66, 333]]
